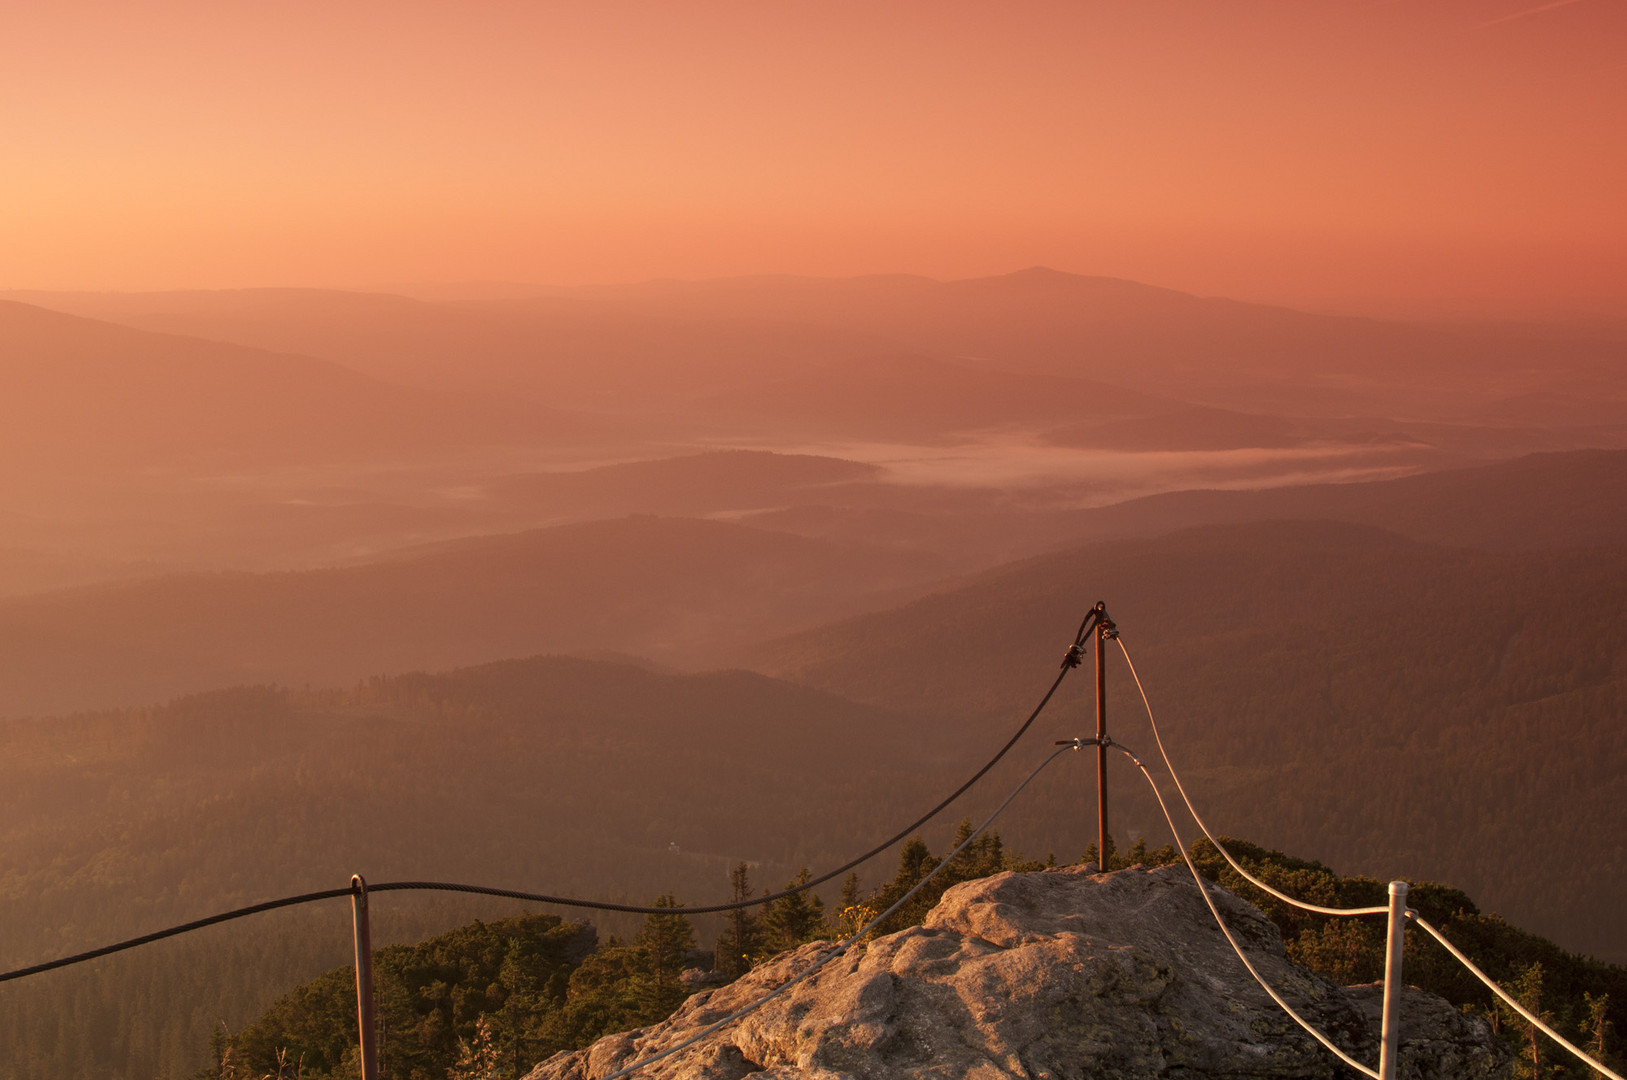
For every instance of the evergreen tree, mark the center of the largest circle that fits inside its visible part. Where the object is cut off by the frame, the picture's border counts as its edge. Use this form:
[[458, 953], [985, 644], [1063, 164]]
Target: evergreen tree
[[740, 940], [664, 943], [1527, 990], [1598, 1028], [915, 861], [792, 920]]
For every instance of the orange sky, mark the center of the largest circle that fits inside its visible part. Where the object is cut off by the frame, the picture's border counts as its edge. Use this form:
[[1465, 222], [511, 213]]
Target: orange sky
[[1419, 155]]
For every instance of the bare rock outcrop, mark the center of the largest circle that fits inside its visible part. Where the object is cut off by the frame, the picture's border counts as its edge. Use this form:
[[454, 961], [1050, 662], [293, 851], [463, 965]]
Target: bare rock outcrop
[[1057, 974]]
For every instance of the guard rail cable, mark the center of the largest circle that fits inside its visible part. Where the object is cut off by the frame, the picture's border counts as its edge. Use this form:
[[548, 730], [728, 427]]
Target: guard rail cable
[[1159, 739], [1070, 661], [1530, 1017], [841, 947], [1408, 913], [1220, 922]]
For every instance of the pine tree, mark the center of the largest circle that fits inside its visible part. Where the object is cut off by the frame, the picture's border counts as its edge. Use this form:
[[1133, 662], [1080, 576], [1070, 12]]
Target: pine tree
[[663, 943], [1528, 992], [1598, 1028], [915, 861], [792, 920], [740, 940]]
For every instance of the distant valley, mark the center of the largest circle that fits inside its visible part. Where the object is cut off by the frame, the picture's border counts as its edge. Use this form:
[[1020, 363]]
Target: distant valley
[[604, 590]]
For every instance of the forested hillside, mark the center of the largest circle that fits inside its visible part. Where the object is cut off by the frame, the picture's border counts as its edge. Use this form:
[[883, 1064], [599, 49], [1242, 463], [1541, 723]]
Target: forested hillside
[[678, 590], [488, 1000], [1400, 708], [568, 776], [1565, 499], [1572, 499]]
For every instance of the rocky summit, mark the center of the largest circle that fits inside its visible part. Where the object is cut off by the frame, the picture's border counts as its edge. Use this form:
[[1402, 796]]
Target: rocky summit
[[1057, 974]]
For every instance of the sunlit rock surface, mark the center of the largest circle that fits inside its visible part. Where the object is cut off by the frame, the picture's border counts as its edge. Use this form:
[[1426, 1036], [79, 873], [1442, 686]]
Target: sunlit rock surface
[[1058, 974]]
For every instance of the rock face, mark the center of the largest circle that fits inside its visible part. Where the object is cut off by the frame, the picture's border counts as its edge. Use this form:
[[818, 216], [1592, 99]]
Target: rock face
[[1058, 974]]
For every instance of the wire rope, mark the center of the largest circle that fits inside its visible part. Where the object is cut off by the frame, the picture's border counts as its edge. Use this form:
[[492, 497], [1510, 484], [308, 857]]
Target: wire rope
[[1413, 915], [1070, 661], [1173, 775], [1220, 922], [183, 928], [841, 947], [1515, 1005]]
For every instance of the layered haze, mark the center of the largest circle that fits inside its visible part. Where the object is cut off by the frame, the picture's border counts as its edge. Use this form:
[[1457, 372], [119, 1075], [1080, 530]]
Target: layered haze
[[583, 451]]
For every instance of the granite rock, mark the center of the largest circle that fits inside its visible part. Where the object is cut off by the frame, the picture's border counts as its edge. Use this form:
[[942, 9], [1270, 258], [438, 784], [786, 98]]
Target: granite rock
[[1060, 974]]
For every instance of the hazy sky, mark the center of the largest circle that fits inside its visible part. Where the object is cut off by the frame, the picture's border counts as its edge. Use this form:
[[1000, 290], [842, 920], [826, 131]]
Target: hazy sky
[[1409, 155]]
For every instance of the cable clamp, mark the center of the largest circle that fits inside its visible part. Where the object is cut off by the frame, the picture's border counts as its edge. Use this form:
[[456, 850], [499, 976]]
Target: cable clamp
[[1073, 657]]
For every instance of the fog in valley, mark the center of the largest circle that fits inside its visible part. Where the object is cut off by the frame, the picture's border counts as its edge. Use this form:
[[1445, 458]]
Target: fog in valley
[[753, 572], [590, 454]]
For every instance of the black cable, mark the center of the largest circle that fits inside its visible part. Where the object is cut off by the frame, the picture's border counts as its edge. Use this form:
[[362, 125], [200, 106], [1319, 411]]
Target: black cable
[[184, 928], [844, 945], [1069, 662]]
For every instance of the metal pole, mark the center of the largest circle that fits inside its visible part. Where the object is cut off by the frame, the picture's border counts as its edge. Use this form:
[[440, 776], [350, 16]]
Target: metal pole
[[1390, 1033], [364, 977], [1102, 626]]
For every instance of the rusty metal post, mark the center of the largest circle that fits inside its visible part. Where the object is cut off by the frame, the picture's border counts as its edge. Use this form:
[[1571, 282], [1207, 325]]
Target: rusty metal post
[[365, 1023], [1390, 1031], [1103, 626]]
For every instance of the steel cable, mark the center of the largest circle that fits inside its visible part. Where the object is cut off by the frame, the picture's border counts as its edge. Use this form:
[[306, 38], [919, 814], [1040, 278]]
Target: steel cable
[[841, 947], [1284, 897], [1220, 922], [1515, 1005], [184, 928], [638, 909], [1413, 915], [1069, 662]]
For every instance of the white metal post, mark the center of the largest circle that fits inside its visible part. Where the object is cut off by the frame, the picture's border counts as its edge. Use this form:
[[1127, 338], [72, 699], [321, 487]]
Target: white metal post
[[1390, 1035]]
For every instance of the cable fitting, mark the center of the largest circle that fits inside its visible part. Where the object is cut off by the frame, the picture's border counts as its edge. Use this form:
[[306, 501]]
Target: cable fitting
[[1072, 658]]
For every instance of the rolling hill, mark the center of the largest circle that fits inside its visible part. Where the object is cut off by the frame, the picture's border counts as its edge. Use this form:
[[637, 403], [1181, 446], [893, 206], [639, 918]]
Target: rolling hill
[[567, 776], [1396, 706], [1567, 499], [641, 345], [907, 397], [88, 395], [1555, 500], [678, 590]]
